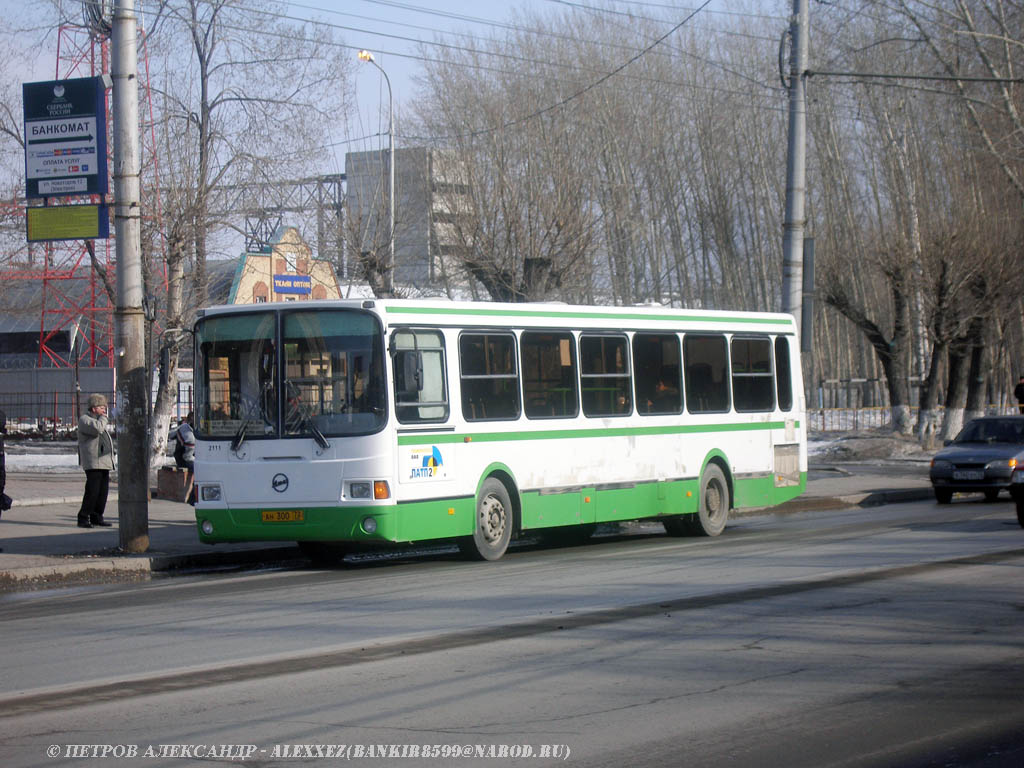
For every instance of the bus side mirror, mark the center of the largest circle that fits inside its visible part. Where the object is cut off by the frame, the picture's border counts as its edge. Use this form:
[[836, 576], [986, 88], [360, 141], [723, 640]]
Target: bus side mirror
[[409, 371]]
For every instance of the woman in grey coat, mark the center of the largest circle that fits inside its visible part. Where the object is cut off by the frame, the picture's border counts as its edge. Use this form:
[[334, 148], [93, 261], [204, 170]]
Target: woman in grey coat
[[96, 456]]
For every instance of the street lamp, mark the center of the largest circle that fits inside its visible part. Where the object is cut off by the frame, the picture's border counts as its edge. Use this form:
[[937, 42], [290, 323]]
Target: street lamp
[[389, 271]]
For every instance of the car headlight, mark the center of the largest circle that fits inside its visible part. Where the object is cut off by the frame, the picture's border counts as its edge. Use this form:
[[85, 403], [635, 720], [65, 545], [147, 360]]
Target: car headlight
[[1002, 464], [941, 464]]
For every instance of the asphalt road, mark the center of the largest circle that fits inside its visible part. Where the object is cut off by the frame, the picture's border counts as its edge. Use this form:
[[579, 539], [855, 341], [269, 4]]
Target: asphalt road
[[881, 637]]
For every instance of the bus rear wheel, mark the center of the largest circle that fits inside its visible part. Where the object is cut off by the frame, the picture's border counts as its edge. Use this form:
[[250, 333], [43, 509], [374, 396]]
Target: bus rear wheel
[[493, 529], [713, 508]]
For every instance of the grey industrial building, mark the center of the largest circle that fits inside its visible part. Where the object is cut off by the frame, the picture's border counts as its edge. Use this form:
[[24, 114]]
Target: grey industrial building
[[427, 196]]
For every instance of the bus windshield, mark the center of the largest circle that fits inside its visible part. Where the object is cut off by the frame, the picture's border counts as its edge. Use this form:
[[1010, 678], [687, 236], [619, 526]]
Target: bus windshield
[[321, 373]]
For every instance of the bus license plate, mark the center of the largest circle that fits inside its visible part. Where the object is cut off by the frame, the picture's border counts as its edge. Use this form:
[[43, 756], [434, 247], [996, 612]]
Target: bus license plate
[[283, 516], [969, 474]]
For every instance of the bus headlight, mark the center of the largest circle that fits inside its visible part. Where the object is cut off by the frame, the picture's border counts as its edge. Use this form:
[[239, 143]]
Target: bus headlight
[[207, 527], [210, 492], [360, 490], [369, 525]]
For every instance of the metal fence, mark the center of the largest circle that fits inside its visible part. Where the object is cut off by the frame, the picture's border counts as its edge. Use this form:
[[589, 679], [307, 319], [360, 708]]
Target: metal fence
[[45, 414], [54, 414], [853, 419]]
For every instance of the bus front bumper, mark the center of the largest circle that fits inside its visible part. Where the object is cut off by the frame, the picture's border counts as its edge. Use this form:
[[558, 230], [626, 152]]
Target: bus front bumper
[[363, 523]]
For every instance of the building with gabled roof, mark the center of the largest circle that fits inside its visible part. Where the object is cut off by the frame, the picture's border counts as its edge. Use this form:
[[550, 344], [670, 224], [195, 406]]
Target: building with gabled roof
[[285, 270]]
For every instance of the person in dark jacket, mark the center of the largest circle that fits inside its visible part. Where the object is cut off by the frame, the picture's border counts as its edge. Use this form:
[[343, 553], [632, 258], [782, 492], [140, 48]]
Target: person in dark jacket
[[185, 444], [3, 463], [1018, 392], [96, 456], [185, 453]]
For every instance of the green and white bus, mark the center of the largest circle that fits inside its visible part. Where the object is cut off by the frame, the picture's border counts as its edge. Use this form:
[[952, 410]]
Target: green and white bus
[[360, 421]]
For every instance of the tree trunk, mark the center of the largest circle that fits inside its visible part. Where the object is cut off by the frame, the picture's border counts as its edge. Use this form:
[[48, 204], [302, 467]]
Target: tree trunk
[[956, 392]]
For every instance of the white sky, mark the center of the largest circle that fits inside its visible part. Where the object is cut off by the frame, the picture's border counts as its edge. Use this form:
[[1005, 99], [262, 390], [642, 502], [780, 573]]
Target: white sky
[[393, 29]]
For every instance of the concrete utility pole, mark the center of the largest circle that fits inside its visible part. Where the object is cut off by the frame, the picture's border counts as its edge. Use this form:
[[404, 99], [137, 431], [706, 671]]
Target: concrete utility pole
[[796, 175], [129, 326]]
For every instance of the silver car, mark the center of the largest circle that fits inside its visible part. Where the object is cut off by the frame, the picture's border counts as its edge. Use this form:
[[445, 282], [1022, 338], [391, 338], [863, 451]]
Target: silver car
[[981, 459]]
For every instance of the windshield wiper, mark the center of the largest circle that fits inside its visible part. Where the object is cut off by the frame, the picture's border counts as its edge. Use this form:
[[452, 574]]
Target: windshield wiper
[[305, 422], [239, 437]]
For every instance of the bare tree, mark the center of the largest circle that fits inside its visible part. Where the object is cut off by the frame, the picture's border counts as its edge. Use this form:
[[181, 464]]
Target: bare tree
[[239, 94]]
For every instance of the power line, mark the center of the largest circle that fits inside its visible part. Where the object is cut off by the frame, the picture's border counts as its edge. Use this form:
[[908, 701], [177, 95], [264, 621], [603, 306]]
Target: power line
[[905, 76], [596, 83], [666, 7]]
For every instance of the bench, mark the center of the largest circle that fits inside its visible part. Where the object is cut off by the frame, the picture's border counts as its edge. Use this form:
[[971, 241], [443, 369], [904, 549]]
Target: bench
[[173, 483]]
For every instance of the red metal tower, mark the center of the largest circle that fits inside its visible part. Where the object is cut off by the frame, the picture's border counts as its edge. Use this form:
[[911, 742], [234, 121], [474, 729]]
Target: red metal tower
[[78, 278]]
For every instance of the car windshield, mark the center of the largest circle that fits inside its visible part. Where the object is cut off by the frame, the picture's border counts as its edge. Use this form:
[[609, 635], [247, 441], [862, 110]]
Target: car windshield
[[992, 431]]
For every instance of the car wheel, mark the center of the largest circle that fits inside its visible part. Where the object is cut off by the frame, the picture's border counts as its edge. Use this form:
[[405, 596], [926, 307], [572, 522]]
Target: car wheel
[[943, 495], [1020, 513]]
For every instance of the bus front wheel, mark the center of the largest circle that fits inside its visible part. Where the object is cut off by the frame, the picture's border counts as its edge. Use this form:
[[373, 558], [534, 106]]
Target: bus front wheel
[[493, 529]]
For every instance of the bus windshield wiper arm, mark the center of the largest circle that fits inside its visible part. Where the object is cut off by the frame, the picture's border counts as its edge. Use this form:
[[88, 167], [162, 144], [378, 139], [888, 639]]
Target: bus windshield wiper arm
[[305, 422], [317, 434], [239, 437]]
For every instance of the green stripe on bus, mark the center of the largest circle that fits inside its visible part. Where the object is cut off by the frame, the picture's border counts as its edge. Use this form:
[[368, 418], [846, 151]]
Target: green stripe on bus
[[446, 518], [406, 310], [572, 434]]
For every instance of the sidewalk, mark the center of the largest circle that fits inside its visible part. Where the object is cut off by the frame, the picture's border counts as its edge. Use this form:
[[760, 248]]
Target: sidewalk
[[43, 546]]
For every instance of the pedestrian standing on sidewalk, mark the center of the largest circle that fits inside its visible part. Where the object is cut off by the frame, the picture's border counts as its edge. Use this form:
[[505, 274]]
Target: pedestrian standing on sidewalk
[[5, 500], [96, 456], [1018, 392]]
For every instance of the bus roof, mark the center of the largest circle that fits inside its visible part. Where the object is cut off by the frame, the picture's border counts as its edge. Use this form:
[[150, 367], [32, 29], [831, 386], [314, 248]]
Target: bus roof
[[439, 312]]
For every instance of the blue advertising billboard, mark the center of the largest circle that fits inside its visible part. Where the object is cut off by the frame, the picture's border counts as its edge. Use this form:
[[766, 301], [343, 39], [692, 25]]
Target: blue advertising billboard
[[65, 137]]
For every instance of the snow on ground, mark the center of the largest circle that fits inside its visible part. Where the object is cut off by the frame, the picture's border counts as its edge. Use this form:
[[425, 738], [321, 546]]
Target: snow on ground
[[38, 462]]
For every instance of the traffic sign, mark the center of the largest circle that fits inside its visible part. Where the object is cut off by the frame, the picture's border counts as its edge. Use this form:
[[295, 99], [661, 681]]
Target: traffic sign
[[65, 137]]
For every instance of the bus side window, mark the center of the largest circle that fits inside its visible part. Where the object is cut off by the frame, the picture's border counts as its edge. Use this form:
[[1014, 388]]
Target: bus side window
[[604, 375], [752, 388], [706, 367], [783, 374], [421, 389], [488, 376], [656, 371], [549, 374]]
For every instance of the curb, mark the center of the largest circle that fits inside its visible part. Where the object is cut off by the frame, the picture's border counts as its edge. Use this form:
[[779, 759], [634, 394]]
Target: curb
[[40, 502], [103, 569]]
